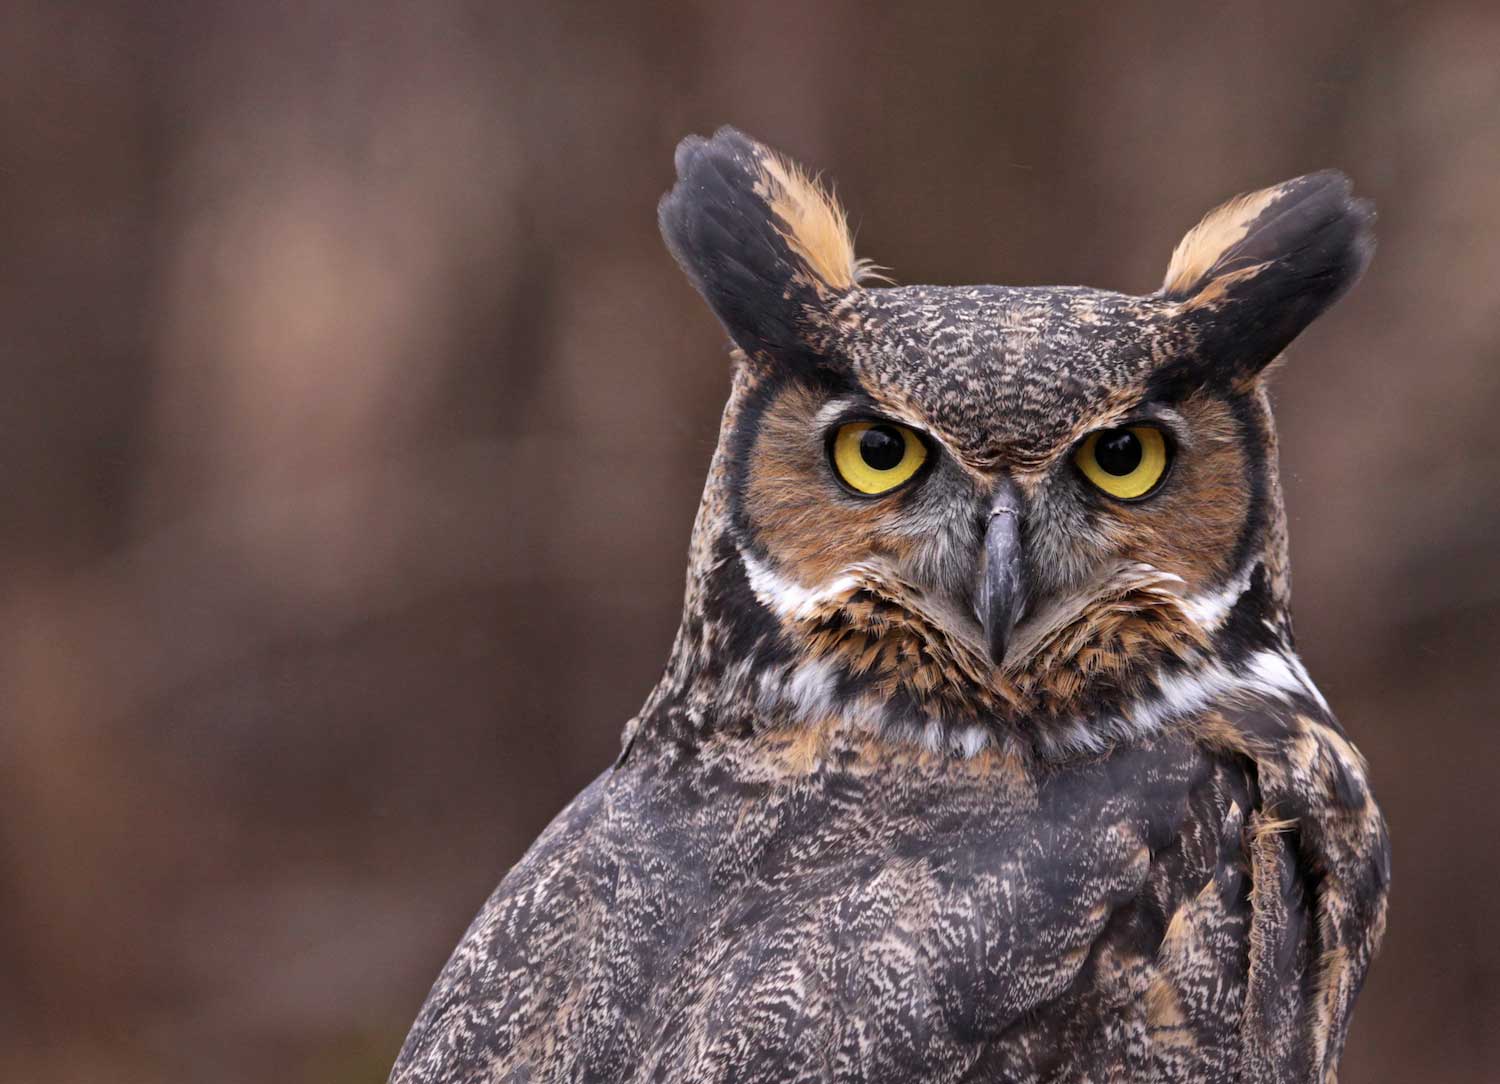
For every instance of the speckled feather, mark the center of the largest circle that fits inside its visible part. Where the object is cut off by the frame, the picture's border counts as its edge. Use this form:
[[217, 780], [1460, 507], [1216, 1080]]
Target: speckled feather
[[840, 844]]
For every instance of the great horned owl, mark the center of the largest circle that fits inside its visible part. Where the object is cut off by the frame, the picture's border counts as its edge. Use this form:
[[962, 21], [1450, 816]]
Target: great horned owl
[[983, 752]]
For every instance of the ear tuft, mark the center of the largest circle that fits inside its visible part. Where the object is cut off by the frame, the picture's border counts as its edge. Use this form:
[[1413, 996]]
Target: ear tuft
[[1254, 273], [812, 222], [766, 246], [1204, 246]]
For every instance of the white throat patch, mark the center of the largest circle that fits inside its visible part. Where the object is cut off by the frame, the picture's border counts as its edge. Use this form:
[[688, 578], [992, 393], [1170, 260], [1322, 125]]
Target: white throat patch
[[809, 692]]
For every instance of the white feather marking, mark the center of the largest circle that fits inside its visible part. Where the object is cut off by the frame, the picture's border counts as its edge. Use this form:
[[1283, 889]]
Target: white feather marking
[[1305, 678], [1208, 611], [1282, 672], [1272, 673], [972, 740], [810, 689], [791, 600], [931, 737]]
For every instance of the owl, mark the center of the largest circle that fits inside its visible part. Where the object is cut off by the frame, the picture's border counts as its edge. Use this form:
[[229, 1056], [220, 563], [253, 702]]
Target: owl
[[983, 752]]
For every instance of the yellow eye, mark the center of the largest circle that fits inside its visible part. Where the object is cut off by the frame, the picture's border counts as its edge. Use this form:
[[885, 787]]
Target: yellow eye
[[1126, 463], [876, 457]]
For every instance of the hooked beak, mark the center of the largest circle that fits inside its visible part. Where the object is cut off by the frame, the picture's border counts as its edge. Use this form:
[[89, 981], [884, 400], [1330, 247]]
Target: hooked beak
[[1002, 591]]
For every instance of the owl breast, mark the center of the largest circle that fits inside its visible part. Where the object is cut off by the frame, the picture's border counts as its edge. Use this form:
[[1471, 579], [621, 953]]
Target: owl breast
[[888, 918]]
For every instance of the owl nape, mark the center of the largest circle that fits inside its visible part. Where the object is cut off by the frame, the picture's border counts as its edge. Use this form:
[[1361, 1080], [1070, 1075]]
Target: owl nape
[[983, 752]]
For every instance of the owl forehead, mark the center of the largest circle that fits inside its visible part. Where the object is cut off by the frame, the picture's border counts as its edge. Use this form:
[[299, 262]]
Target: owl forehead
[[1001, 372]]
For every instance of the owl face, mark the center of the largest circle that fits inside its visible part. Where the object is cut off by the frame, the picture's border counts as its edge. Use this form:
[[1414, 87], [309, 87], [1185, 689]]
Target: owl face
[[953, 506]]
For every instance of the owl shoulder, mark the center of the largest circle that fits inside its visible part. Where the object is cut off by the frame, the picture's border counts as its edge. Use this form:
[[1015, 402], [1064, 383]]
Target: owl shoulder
[[505, 971], [1320, 859]]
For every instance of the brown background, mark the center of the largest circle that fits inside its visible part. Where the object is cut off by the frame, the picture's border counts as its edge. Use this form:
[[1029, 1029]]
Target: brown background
[[354, 420]]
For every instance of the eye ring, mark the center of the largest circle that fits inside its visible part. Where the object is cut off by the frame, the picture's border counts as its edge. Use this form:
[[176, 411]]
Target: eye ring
[[872, 457], [1127, 463]]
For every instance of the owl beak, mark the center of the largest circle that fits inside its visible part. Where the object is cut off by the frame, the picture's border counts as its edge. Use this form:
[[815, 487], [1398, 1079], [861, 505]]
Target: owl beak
[[1002, 590]]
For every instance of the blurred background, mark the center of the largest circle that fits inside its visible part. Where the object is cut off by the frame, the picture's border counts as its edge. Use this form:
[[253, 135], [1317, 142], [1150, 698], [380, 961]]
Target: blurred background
[[355, 419]]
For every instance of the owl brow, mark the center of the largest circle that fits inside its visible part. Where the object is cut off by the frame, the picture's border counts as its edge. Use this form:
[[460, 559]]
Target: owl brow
[[1148, 410], [845, 408], [1166, 417]]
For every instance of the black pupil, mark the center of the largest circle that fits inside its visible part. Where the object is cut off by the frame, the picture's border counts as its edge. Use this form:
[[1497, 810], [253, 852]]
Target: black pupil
[[882, 448], [1118, 452]]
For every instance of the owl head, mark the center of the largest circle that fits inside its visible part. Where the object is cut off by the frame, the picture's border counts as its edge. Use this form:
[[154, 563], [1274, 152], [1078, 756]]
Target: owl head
[[961, 513]]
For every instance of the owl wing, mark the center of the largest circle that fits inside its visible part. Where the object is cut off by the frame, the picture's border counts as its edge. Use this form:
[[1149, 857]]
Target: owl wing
[[1320, 868], [517, 960]]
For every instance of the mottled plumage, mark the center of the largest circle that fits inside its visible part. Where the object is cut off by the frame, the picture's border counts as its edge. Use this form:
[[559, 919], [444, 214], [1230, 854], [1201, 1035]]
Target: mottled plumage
[[999, 774]]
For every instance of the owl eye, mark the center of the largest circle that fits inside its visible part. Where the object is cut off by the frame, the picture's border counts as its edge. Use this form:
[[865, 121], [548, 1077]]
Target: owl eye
[[1127, 463], [875, 457]]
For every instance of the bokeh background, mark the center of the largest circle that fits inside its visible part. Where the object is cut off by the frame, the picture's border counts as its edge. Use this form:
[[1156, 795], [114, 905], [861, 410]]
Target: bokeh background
[[354, 419]]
